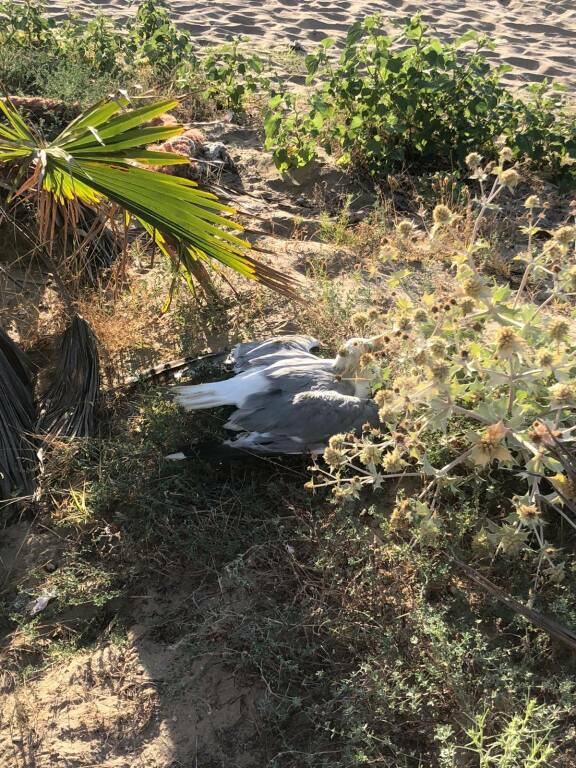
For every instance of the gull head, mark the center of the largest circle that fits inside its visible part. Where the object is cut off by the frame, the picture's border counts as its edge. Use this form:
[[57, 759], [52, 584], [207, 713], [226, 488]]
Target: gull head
[[347, 362]]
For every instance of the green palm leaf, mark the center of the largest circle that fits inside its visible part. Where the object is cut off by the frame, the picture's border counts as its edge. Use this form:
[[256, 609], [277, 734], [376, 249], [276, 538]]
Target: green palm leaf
[[100, 158]]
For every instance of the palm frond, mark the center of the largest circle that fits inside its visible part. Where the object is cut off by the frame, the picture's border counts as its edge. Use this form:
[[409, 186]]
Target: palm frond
[[67, 408], [99, 158], [18, 461]]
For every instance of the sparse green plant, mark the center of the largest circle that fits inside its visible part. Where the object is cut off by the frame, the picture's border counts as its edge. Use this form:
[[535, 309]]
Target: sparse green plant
[[233, 73], [522, 740], [409, 99]]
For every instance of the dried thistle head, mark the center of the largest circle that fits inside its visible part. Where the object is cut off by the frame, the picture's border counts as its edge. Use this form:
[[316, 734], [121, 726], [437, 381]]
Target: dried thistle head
[[532, 201], [563, 393], [370, 455], [337, 441], [401, 517], [490, 445], [438, 347], [392, 461], [384, 397], [386, 415], [553, 250], [440, 371], [367, 360], [405, 229], [360, 320], [334, 457], [467, 306], [442, 215], [421, 357], [565, 235], [542, 435], [404, 324], [473, 160], [528, 513], [558, 329], [509, 178], [507, 341], [474, 287]]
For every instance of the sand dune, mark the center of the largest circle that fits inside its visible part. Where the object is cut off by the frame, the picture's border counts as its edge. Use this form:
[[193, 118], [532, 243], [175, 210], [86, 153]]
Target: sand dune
[[538, 37]]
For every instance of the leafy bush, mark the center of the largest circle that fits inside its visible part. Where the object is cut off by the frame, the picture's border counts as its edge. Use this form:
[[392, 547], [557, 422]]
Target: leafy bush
[[79, 61], [478, 398], [411, 99]]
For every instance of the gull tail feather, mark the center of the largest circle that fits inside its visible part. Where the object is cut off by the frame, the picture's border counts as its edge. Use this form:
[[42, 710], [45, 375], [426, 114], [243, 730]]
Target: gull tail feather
[[215, 394]]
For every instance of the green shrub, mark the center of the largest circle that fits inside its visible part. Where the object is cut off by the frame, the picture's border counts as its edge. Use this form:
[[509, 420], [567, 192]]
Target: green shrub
[[409, 100], [83, 61]]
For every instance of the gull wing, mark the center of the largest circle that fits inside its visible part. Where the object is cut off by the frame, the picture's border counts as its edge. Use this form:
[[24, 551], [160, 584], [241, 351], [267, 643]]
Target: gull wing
[[248, 354], [278, 422]]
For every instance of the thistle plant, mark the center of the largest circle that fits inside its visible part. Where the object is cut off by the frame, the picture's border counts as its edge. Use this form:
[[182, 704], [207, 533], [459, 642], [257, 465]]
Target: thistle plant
[[488, 374]]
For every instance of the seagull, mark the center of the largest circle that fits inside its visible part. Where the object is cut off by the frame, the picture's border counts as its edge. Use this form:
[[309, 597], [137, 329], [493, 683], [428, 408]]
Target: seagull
[[287, 399]]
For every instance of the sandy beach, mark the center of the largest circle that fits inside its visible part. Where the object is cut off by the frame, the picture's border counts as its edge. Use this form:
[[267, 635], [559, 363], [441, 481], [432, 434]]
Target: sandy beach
[[537, 38]]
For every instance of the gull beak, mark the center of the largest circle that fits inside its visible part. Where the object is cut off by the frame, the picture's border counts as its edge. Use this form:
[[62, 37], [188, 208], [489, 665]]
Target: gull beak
[[339, 365]]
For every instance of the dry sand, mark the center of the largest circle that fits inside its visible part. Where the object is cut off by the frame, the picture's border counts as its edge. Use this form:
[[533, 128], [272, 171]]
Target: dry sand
[[537, 37]]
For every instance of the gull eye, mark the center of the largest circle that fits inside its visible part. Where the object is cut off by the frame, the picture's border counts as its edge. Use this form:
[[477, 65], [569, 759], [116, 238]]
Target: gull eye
[[354, 343]]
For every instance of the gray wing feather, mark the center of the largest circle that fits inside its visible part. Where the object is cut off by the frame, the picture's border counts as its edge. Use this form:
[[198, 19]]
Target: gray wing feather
[[250, 353], [309, 418]]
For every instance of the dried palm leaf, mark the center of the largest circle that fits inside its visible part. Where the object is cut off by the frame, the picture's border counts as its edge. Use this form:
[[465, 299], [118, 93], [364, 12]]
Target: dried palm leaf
[[68, 407], [18, 461]]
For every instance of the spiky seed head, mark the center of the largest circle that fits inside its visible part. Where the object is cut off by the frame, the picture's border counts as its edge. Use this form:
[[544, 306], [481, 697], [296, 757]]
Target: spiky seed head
[[405, 228], [386, 414], [337, 441], [467, 306], [554, 250], [558, 329], [360, 319], [392, 461], [405, 324], [509, 178], [384, 397], [367, 359], [438, 347], [474, 287], [506, 155], [563, 393], [508, 342], [565, 235], [370, 454], [334, 457], [544, 358], [440, 371], [374, 313], [442, 214], [532, 201], [528, 514], [473, 160], [421, 357]]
